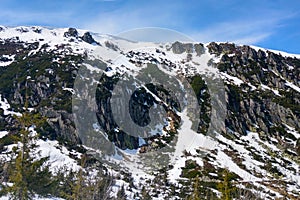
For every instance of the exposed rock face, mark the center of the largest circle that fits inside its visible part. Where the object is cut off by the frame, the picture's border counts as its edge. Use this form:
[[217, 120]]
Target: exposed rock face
[[261, 91], [139, 106], [44, 81], [199, 49], [263, 108], [87, 37], [22, 30], [179, 48], [266, 108], [227, 48], [72, 32]]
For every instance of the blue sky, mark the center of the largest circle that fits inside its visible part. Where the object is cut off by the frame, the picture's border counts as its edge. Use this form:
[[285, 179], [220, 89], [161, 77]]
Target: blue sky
[[273, 24]]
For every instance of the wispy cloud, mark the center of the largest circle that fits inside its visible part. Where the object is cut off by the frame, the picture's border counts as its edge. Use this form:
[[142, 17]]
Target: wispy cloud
[[247, 30], [238, 29], [116, 22], [239, 32], [252, 39], [132, 16]]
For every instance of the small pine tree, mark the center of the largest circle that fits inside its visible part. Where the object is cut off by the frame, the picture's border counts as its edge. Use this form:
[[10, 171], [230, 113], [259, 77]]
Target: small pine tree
[[195, 194], [225, 187], [28, 174], [67, 182], [77, 188], [79, 185], [103, 186]]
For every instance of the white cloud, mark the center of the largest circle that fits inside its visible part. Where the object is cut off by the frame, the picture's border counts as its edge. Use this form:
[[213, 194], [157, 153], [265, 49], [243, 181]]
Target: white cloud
[[239, 29], [154, 34], [243, 32], [246, 32], [252, 39], [133, 16], [250, 31]]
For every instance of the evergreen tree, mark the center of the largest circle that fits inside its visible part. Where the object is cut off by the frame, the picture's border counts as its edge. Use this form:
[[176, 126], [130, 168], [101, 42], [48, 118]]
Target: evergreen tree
[[103, 186], [67, 181], [79, 184], [29, 174], [195, 195], [226, 187]]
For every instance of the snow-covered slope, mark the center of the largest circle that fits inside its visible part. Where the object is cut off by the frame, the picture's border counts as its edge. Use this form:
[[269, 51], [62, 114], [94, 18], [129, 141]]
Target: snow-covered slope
[[259, 150]]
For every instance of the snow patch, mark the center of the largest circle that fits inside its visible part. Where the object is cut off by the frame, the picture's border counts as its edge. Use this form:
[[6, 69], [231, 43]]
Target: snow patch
[[233, 79], [6, 106], [3, 133], [59, 156], [6, 60], [293, 86]]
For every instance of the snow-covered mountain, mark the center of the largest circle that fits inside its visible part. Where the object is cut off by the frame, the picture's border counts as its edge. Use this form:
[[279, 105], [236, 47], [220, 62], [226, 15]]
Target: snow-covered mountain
[[161, 120]]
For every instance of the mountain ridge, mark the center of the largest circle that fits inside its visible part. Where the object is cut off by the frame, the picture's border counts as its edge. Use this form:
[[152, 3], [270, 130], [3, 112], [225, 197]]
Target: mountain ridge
[[259, 143]]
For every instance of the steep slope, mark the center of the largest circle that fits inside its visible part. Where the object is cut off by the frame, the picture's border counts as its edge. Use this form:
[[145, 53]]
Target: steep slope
[[243, 130]]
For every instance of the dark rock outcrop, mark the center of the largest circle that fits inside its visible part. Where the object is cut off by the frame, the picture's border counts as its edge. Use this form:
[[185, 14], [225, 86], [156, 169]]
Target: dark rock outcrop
[[72, 32], [179, 48], [87, 37]]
